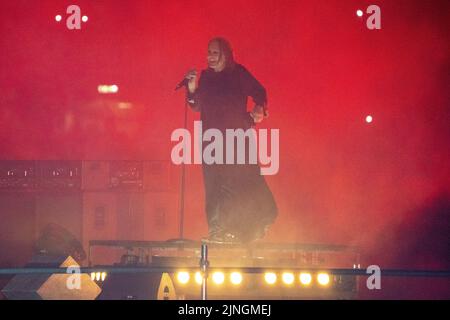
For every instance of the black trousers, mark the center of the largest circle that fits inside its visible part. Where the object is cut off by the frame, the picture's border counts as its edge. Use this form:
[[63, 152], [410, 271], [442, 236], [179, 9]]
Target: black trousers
[[238, 200]]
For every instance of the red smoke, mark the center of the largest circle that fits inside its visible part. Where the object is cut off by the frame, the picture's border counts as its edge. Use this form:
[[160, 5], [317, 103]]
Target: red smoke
[[341, 179]]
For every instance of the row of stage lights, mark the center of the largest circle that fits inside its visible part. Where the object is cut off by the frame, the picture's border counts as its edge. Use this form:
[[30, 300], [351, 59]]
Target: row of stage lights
[[236, 278], [270, 278], [98, 276]]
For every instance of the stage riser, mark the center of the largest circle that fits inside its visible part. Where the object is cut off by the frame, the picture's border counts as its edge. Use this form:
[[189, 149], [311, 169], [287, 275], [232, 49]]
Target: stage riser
[[148, 287]]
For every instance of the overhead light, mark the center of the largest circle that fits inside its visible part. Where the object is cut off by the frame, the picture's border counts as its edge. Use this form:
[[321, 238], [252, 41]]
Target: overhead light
[[107, 89], [198, 277], [124, 105]]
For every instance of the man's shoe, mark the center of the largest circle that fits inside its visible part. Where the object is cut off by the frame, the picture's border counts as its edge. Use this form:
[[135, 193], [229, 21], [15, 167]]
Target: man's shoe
[[230, 238], [214, 236], [221, 238]]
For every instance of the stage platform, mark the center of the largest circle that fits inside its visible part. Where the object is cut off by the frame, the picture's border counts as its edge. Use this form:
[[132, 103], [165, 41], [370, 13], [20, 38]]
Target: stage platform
[[266, 270], [292, 254]]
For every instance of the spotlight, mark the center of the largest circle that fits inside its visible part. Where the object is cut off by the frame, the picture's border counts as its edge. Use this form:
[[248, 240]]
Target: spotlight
[[218, 277], [369, 119], [323, 279], [124, 105], [305, 278], [359, 13], [198, 277], [84, 18], [236, 278], [97, 276], [183, 277], [288, 278], [106, 89], [103, 276], [270, 277], [58, 18], [92, 276]]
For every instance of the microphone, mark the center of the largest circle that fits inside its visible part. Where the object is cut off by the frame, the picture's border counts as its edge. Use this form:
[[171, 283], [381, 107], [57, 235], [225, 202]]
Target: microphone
[[182, 83]]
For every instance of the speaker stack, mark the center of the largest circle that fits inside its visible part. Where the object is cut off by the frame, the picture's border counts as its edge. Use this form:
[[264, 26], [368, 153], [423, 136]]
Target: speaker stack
[[93, 200]]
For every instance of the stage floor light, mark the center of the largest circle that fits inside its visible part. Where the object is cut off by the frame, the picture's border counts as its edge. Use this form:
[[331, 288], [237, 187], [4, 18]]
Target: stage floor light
[[305, 278], [198, 278], [218, 277], [270, 277], [183, 277], [288, 278], [323, 279], [236, 278]]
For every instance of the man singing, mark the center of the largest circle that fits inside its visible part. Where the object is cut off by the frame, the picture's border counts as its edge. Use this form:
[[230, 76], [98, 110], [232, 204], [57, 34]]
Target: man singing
[[239, 205]]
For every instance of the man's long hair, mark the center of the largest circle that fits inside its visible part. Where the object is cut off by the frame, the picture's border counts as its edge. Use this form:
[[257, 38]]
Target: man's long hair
[[225, 49]]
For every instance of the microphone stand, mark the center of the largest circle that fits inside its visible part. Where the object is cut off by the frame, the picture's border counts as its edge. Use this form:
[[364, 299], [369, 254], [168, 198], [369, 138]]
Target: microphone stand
[[181, 238], [183, 183]]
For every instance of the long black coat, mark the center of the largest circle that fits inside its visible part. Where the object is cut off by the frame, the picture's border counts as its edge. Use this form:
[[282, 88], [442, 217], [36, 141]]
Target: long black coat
[[238, 199]]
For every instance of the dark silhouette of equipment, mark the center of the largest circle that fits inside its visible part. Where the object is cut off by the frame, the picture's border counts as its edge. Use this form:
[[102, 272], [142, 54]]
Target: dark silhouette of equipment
[[55, 240]]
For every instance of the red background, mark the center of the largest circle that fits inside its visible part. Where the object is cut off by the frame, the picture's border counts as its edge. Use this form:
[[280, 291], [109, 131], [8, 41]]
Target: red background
[[383, 185]]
